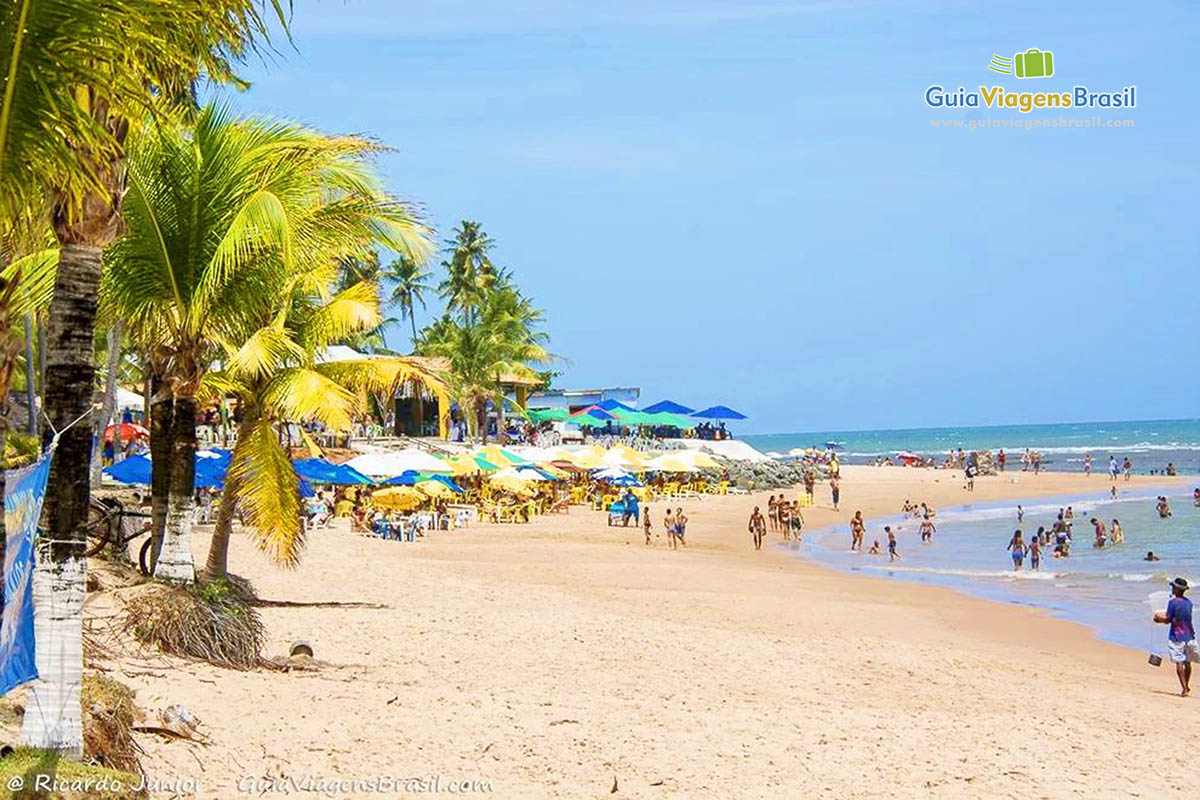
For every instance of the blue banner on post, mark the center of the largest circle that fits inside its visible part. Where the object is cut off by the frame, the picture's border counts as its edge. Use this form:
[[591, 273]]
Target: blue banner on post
[[25, 489]]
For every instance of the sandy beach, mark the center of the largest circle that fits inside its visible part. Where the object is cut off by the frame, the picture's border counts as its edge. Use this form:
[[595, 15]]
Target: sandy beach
[[566, 659]]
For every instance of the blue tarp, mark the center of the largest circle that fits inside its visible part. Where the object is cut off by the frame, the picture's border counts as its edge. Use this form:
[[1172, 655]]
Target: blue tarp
[[670, 406], [719, 412], [25, 490], [210, 472]]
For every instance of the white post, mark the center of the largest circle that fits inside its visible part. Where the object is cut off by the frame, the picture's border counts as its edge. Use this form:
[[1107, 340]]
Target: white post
[[175, 558], [52, 712]]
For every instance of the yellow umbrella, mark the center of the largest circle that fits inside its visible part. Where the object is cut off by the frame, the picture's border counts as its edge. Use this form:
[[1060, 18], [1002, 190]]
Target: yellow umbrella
[[702, 460], [499, 456], [436, 490], [398, 498], [514, 485]]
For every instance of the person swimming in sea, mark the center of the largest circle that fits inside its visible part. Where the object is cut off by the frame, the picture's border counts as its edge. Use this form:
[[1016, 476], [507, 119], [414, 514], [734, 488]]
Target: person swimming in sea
[[874, 548], [1098, 527], [1163, 508], [1020, 515], [1017, 546], [1035, 553], [1151, 557], [1115, 534]]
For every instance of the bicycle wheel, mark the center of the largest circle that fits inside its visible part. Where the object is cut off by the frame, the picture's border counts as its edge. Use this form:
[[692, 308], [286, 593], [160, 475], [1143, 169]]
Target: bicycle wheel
[[144, 556], [99, 529]]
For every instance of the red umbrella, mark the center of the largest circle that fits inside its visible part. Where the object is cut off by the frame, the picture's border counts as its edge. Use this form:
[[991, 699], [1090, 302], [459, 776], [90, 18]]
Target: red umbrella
[[129, 432]]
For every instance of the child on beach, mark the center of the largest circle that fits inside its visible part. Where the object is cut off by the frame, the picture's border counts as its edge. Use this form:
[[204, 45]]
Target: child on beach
[[1035, 554], [646, 522], [1017, 546], [669, 527], [892, 554], [874, 548], [856, 531], [927, 529]]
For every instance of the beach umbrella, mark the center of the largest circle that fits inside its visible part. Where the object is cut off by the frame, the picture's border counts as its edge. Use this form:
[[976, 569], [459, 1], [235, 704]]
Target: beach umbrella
[[498, 455], [136, 470], [612, 405], [397, 498], [468, 464], [669, 406], [129, 432], [698, 459], [520, 475], [545, 474], [612, 474], [395, 462], [319, 470], [591, 413], [436, 489], [548, 414], [719, 412], [671, 462]]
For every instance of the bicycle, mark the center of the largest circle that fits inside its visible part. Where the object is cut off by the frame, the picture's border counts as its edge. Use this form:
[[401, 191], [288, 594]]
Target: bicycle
[[105, 526]]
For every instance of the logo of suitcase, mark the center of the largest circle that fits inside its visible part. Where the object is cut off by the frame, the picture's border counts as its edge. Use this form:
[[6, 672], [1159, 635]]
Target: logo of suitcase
[[1033, 63]]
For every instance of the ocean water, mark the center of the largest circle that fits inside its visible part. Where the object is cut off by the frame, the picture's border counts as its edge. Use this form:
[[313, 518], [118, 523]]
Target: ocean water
[[1107, 589], [1151, 445]]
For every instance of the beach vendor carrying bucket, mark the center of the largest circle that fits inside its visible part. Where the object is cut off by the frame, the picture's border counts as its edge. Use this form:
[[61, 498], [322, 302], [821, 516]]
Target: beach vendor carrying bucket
[[1181, 634]]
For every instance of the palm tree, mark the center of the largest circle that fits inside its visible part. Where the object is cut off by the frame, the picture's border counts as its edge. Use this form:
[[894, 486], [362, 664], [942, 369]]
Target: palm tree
[[408, 279], [277, 376], [220, 216], [469, 270], [77, 76], [502, 341]]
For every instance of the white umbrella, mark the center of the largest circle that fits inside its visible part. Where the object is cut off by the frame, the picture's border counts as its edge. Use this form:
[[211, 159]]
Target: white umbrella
[[388, 465], [613, 473]]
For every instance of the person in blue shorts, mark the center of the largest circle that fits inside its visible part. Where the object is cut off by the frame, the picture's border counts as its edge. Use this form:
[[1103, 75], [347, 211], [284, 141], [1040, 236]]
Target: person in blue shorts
[[1181, 636], [1017, 546]]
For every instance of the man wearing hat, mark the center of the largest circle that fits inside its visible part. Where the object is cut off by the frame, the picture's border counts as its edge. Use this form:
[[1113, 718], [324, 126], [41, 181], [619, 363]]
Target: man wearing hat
[[1181, 638]]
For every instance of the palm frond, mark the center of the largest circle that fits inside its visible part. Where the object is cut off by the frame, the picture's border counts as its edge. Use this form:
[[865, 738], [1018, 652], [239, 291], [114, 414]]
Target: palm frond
[[268, 493], [300, 394]]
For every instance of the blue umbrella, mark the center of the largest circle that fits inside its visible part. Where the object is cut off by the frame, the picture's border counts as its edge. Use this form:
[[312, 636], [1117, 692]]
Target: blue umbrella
[[412, 478], [670, 406], [719, 412], [538, 470], [318, 470], [609, 405]]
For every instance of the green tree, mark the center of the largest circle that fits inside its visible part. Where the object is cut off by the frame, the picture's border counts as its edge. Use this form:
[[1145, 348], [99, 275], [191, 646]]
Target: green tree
[[469, 270], [220, 215], [409, 282]]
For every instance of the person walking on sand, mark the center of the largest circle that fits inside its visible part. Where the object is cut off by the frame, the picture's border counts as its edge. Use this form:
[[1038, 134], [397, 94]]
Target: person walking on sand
[[835, 488], [797, 522], [1113, 469], [785, 518], [1087, 465], [757, 527], [856, 531], [1017, 546], [669, 527], [680, 526], [773, 512], [892, 554], [646, 522], [927, 529], [1127, 467], [810, 482], [1181, 636]]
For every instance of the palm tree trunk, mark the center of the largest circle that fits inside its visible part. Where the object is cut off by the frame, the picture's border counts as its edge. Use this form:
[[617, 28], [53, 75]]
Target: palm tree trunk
[[52, 713], [481, 416], [41, 359], [162, 406], [500, 421], [30, 369], [108, 404], [218, 549], [175, 555], [413, 319]]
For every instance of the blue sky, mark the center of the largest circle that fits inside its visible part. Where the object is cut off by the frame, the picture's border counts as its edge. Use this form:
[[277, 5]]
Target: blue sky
[[744, 202]]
